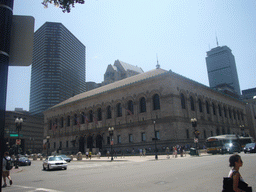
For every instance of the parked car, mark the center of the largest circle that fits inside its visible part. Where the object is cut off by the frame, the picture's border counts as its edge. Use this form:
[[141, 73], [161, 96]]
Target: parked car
[[250, 147], [66, 158], [55, 162], [231, 148], [24, 161]]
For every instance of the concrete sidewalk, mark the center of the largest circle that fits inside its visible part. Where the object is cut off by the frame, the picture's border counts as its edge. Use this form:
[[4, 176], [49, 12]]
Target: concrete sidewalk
[[137, 158]]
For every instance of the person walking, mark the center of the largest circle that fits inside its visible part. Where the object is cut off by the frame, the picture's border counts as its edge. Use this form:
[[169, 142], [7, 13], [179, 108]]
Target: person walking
[[236, 162], [6, 173]]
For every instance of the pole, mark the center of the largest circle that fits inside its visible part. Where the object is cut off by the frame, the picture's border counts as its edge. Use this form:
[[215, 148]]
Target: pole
[[155, 140], [17, 158], [111, 149], [6, 7]]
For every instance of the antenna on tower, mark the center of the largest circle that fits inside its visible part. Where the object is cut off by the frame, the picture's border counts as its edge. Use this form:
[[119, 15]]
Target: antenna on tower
[[157, 65], [217, 39]]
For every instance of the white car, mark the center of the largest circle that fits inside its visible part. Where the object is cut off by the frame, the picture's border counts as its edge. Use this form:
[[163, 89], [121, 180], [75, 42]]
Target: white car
[[55, 162]]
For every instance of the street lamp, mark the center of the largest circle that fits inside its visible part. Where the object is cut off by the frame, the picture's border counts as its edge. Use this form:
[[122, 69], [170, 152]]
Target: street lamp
[[18, 122], [196, 132], [48, 138], [111, 133], [155, 138], [242, 129]]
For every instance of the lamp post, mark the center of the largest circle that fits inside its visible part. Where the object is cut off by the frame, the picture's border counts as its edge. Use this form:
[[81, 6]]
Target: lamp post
[[18, 122], [155, 138], [111, 133], [196, 132], [48, 138], [242, 129]]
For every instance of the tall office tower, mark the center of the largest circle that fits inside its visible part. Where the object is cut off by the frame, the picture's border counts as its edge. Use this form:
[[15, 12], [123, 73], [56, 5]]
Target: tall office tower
[[221, 67], [58, 67]]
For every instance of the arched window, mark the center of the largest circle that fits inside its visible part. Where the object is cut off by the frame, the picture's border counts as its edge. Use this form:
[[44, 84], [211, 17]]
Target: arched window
[[99, 114], [213, 109], [182, 100], [156, 102], [142, 105], [130, 108], [90, 116], [200, 105], [192, 103], [207, 107], [220, 114], [119, 110], [109, 115]]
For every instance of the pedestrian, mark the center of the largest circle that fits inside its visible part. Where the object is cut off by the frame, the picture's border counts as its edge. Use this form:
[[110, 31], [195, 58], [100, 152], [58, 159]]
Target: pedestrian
[[108, 154], [140, 152], [99, 154], [87, 154], [90, 155], [236, 162], [175, 151], [144, 152], [181, 150], [5, 172], [167, 152]]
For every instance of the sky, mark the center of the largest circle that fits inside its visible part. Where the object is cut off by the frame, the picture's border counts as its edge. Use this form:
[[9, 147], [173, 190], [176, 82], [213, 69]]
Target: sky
[[178, 32]]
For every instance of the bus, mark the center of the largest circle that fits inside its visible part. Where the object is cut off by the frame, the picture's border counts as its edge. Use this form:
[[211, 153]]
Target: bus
[[216, 144]]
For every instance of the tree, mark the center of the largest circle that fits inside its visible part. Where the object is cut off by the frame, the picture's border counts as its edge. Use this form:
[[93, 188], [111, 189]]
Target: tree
[[65, 5]]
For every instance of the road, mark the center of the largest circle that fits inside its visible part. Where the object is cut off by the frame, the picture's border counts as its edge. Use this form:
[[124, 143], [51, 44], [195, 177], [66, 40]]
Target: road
[[203, 173]]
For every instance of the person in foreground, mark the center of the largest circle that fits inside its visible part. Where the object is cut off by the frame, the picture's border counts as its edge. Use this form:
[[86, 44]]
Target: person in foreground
[[6, 173], [236, 162]]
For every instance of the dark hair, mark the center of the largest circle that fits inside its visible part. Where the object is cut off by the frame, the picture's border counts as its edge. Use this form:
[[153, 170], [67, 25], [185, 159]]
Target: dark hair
[[6, 153], [233, 159]]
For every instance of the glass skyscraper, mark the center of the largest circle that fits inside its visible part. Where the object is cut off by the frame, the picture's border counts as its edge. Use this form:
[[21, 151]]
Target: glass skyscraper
[[221, 67], [58, 67]]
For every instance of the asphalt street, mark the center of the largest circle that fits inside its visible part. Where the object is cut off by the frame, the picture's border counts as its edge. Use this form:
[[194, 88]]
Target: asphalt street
[[204, 173]]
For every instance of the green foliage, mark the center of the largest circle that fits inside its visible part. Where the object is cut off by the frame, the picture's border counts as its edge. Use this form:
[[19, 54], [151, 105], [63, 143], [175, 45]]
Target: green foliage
[[65, 5]]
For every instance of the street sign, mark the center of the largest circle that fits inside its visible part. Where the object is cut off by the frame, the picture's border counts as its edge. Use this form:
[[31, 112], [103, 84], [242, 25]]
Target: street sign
[[18, 141], [112, 143], [196, 140], [15, 135]]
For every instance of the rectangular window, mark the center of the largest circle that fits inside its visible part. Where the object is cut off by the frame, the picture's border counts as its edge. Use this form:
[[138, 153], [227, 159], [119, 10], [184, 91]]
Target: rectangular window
[[54, 145], [143, 136], [108, 140], [130, 138], [119, 139], [66, 144], [60, 144], [157, 135]]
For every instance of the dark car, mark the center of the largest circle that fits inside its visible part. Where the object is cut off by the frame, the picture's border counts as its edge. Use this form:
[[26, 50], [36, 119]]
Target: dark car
[[250, 147], [24, 161], [66, 158], [231, 148]]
